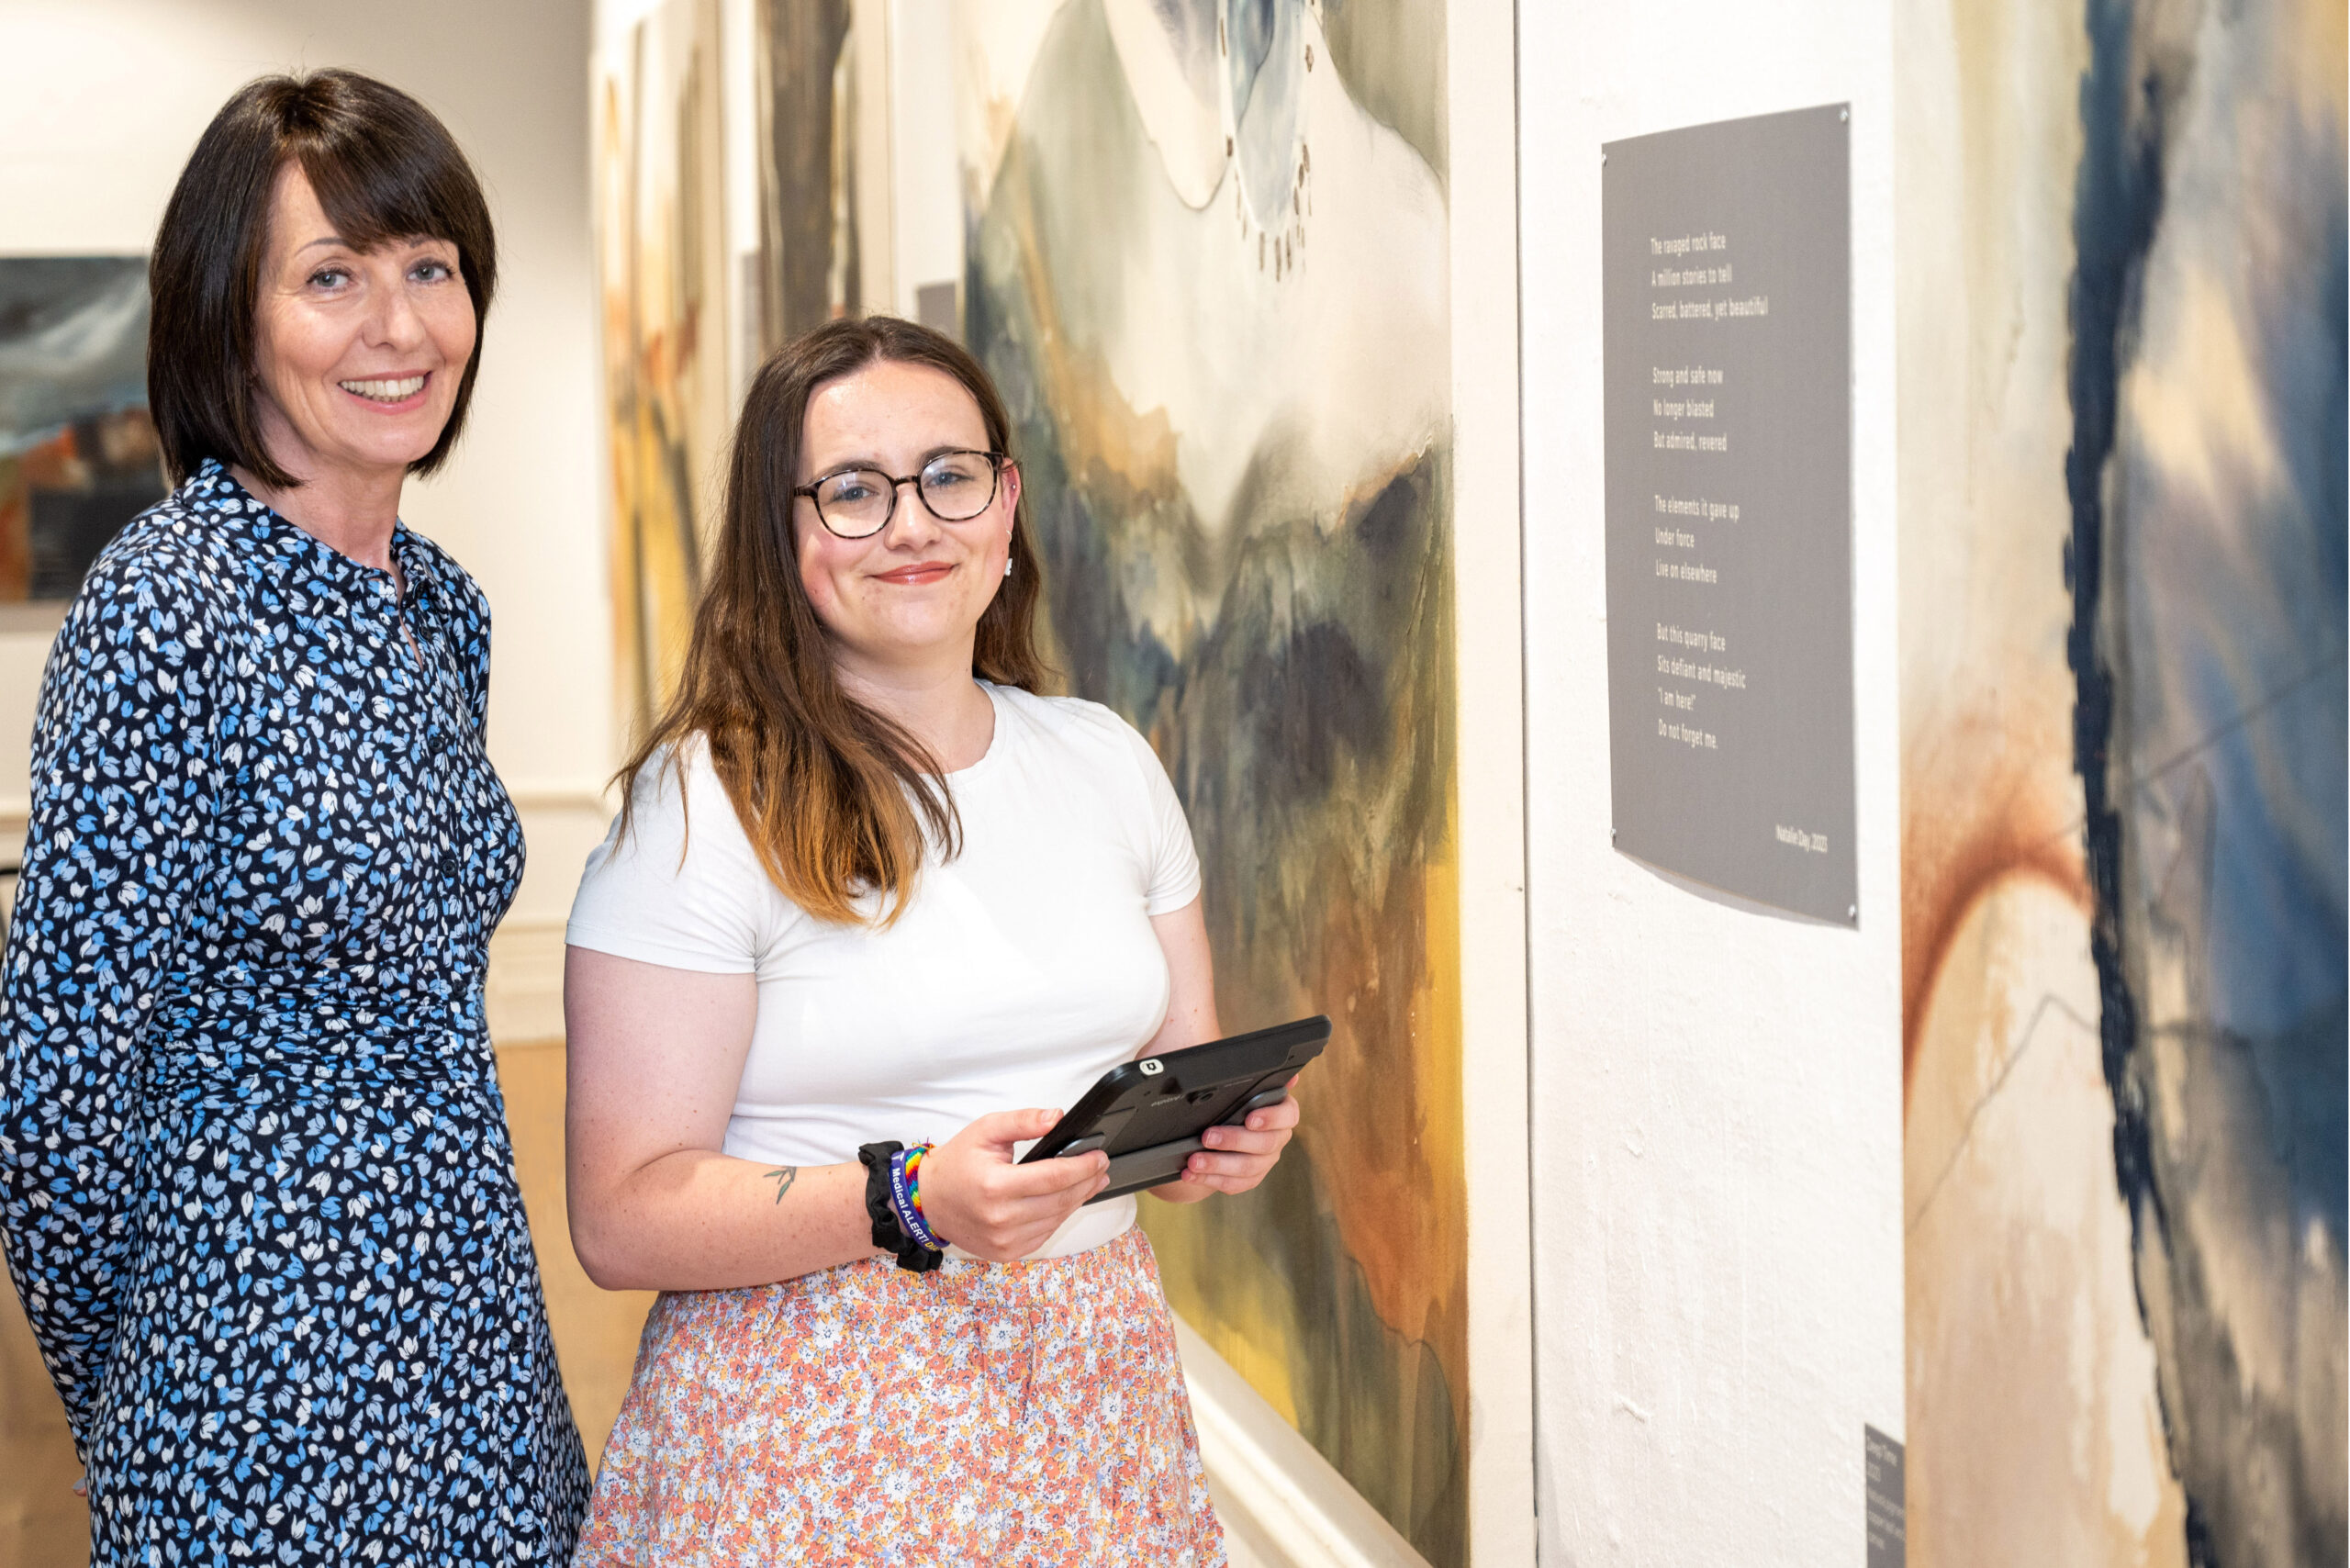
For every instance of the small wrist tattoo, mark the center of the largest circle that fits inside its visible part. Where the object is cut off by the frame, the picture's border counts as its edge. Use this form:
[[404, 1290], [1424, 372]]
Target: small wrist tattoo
[[783, 1179]]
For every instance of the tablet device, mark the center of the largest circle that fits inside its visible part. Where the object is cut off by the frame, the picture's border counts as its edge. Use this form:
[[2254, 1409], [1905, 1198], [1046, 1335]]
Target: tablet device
[[1148, 1114]]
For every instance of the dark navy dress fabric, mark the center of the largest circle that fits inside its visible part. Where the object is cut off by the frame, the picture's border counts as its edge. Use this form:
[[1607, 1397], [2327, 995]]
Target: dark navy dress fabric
[[258, 1195]]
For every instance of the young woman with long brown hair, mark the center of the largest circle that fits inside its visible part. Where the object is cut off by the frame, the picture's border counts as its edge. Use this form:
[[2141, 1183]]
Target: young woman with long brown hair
[[872, 889]]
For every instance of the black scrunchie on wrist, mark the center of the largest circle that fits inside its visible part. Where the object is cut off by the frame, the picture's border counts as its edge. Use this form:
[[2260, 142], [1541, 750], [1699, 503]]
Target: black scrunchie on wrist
[[888, 1234]]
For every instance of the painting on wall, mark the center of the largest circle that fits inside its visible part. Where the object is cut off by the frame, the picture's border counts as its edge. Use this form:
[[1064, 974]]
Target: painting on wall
[[1208, 264], [810, 262], [78, 454], [2123, 791], [661, 254]]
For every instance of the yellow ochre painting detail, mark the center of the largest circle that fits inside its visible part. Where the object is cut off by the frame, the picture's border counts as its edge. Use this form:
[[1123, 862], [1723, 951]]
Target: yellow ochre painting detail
[[1207, 263], [660, 246]]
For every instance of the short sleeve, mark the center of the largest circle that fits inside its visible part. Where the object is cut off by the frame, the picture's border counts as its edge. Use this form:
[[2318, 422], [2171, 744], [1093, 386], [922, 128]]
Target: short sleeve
[[1174, 863], [681, 886]]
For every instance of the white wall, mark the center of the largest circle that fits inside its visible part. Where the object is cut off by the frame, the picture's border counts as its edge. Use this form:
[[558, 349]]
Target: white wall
[[100, 103], [1717, 1095]]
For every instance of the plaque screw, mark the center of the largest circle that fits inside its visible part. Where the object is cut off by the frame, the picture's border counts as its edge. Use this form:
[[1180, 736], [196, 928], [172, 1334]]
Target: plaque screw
[[1845, 114], [1853, 912]]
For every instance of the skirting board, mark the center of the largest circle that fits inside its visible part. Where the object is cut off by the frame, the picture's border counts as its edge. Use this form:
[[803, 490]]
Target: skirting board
[[1284, 1506]]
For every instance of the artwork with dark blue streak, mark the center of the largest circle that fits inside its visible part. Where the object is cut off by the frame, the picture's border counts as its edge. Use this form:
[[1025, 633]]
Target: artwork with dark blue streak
[[2207, 564]]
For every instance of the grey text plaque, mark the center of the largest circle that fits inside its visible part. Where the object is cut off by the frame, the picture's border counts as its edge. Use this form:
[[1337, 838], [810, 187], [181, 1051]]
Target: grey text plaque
[[1727, 297], [1882, 1500]]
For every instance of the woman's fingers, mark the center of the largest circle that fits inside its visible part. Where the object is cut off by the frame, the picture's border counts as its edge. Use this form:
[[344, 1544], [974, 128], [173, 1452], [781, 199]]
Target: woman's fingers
[[1235, 1159], [1222, 1170], [999, 1130], [1045, 1178], [976, 1196], [1246, 1140]]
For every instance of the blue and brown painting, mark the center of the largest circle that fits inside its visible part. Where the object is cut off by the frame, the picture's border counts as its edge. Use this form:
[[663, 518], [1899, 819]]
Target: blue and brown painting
[[2124, 794], [1207, 264], [2208, 568], [78, 455]]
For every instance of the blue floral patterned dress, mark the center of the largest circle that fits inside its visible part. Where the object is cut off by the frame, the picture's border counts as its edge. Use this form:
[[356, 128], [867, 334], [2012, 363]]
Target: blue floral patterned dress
[[257, 1189]]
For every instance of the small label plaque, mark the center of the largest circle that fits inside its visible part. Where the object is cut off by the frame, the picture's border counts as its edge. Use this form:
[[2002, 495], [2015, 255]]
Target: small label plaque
[[1881, 1462]]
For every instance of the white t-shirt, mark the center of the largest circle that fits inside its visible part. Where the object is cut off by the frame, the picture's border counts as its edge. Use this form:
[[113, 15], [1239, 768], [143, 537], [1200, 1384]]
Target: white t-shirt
[[1021, 971]]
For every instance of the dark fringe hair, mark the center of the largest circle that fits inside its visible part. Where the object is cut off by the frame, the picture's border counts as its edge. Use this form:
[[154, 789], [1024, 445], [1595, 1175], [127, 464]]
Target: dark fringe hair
[[385, 168]]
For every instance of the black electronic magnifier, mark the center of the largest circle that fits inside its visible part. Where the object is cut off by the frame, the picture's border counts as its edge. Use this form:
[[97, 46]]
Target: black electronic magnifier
[[1148, 1114]]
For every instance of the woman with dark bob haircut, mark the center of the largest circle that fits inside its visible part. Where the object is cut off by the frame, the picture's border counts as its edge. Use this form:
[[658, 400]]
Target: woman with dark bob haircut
[[257, 1191]]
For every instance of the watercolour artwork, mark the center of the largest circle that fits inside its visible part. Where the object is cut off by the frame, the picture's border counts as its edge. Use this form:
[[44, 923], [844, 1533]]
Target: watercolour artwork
[[810, 264], [2123, 756], [78, 454], [661, 255], [1207, 265]]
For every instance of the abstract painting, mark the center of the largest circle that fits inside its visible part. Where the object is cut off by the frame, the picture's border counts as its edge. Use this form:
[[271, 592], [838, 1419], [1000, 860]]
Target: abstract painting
[[78, 455], [661, 252], [810, 260], [1208, 264], [2123, 781]]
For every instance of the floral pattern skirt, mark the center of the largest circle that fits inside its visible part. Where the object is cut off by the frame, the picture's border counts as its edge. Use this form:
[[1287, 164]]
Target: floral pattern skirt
[[982, 1412]]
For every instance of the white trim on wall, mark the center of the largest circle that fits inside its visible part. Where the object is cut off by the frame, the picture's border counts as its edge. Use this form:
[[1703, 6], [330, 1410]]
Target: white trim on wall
[[1482, 99], [1284, 1506], [525, 991], [561, 820]]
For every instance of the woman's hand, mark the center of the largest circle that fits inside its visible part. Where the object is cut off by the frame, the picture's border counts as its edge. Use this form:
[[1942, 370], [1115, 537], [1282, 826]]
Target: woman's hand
[[1235, 1159], [974, 1196]]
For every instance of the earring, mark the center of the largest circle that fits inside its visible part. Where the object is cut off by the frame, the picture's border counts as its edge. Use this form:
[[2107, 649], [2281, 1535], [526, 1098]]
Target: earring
[[1007, 565]]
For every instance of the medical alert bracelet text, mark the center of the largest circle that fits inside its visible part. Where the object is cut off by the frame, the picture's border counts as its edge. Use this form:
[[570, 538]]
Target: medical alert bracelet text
[[905, 1196], [890, 1233]]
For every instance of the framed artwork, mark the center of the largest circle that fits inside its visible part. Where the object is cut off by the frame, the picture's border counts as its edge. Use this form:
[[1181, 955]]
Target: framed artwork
[[78, 455]]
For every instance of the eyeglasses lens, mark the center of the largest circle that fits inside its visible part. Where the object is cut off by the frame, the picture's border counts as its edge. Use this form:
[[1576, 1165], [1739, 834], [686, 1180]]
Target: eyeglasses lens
[[857, 501], [956, 487]]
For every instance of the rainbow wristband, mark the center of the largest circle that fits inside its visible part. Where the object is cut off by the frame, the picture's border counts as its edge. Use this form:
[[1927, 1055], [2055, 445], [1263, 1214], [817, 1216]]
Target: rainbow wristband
[[913, 1189], [913, 1177], [902, 1199]]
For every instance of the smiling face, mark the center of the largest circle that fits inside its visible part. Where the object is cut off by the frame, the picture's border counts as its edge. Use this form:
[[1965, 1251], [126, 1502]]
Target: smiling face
[[907, 599], [358, 354]]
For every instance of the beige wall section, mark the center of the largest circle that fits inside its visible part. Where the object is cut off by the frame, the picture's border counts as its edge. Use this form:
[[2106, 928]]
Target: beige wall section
[[100, 102], [1717, 1100], [1482, 98]]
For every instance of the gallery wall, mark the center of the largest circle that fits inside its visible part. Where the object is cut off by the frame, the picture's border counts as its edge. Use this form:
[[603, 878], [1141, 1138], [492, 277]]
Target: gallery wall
[[2038, 1169], [1716, 1092]]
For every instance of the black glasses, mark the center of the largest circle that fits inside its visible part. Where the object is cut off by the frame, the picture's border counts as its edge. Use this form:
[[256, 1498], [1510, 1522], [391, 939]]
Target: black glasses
[[956, 486]]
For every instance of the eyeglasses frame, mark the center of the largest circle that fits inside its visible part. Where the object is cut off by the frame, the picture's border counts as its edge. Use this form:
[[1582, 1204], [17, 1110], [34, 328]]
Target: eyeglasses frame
[[996, 462]]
